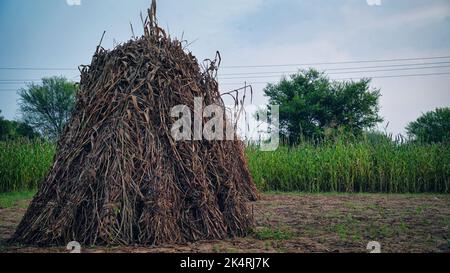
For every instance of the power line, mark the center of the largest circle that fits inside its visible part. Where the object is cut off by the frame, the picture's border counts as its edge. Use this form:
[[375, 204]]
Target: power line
[[263, 65], [14, 82], [340, 62], [39, 68], [397, 76], [355, 78], [20, 80], [338, 79], [333, 69], [347, 72], [348, 78], [10, 81]]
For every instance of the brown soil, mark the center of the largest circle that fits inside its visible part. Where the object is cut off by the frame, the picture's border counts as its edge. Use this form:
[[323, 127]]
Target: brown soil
[[311, 223]]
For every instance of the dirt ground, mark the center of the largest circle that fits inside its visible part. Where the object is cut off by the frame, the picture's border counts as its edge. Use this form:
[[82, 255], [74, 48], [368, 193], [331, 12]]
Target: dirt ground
[[310, 223]]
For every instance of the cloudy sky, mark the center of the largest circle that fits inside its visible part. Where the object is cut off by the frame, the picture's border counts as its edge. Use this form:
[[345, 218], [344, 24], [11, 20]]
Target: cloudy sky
[[270, 37]]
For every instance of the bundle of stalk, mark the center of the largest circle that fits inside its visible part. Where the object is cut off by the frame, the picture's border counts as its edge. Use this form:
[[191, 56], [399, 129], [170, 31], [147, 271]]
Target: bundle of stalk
[[119, 177]]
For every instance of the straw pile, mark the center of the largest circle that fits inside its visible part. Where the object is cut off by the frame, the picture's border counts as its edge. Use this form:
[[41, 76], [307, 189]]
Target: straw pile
[[119, 177]]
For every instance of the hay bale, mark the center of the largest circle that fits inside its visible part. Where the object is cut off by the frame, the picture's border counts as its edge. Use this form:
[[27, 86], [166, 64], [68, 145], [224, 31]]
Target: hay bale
[[119, 177]]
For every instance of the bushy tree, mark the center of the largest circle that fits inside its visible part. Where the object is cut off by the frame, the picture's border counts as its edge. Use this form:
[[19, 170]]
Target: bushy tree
[[431, 127], [311, 104], [10, 130], [48, 106]]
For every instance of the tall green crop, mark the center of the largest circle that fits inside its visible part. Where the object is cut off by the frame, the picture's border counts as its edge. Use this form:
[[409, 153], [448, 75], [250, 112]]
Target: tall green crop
[[357, 166], [24, 163]]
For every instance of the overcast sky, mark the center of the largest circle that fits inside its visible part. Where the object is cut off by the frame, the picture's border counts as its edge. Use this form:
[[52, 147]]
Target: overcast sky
[[54, 34]]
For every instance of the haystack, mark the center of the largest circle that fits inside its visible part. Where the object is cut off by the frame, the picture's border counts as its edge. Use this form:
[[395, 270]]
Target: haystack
[[118, 175]]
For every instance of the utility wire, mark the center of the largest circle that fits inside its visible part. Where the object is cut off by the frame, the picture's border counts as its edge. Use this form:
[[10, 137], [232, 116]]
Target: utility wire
[[338, 79], [352, 78], [345, 72], [341, 62], [262, 65], [20, 80], [333, 69], [39, 68]]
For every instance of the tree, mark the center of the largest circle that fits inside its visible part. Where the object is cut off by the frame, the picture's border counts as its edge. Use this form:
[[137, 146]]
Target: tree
[[48, 106], [431, 127], [5, 128], [10, 130], [312, 104]]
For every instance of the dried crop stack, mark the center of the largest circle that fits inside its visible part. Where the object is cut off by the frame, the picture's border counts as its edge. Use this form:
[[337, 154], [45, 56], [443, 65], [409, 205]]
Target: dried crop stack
[[119, 177]]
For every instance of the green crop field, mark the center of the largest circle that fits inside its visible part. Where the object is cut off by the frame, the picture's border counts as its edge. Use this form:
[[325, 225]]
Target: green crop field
[[328, 167], [23, 164], [353, 167]]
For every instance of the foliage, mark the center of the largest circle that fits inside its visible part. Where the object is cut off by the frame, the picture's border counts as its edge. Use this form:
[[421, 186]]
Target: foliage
[[24, 163], [369, 164], [376, 138], [48, 106], [431, 127], [353, 166], [11, 130], [310, 104]]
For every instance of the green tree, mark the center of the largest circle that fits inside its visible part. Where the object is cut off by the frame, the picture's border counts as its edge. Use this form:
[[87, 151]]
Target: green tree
[[48, 106], [312, 105], [5, 128], [10, 130], [431, 127]]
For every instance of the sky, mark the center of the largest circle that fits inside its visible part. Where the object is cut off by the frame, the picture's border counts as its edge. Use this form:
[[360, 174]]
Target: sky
[[64, 34]]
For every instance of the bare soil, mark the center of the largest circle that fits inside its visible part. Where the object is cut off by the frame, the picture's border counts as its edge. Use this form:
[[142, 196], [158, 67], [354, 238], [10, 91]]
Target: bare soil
[[309, 223]]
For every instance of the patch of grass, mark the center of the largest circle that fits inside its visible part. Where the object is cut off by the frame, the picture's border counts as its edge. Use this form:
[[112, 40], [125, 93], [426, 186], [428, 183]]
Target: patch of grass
[[273, 234], [342, 231], [310, 231], [372, 232], [348, 228], [357, 238], [403, 227], [11, 199], [419, 210], [374, 207], [386, 231], [232, 250], [281, 250], [334, 213], [447, 223], [216, 248]]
